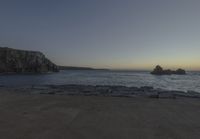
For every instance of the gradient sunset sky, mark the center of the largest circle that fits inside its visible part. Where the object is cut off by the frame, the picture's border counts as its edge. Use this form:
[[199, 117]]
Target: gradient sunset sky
[[118, 34]]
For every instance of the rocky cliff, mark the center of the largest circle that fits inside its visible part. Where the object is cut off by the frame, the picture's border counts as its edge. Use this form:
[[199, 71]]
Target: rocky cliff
[[20, 61]]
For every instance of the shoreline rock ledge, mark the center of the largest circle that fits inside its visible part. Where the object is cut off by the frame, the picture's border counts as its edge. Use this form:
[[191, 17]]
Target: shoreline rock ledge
[[21, 61], [158, 70]]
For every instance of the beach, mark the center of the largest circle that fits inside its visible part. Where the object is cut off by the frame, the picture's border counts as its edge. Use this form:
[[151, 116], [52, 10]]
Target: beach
[[29, 115], [99, 69]]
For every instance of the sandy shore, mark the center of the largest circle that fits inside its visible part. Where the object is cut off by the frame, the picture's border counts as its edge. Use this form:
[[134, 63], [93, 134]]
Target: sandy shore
[[44, 116]]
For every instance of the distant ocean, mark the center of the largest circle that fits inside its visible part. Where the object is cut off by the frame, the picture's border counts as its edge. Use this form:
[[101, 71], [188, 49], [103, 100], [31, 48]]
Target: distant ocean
[[191, 81]]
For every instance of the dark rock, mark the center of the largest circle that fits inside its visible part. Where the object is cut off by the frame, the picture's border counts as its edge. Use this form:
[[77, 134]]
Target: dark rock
[[159, 71], [180, 72], [20, 61], [166, 94], [193, 94], [146, 88], [153, 96], [167, 72], [51, 93], [103, 89]]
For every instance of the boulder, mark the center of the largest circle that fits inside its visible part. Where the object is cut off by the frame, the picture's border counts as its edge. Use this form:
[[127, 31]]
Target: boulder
[[20, 61]]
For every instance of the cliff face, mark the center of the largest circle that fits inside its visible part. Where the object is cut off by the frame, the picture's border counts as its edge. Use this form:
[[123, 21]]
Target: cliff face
[[12, 60]]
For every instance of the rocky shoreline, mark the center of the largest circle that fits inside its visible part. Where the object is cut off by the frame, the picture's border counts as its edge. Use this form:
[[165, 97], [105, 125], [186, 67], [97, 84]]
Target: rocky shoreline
[[103, 90]]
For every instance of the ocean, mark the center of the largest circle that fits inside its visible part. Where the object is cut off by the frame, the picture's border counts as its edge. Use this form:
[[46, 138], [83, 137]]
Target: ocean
[[188, 82]]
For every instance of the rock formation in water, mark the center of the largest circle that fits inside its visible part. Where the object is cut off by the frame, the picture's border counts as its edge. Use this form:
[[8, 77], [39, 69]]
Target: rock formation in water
[[159, 71], [20, 61], [180, 72]]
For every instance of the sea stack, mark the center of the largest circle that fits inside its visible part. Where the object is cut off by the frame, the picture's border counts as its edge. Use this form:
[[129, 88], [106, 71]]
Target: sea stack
[[158, 70], [21, 61]]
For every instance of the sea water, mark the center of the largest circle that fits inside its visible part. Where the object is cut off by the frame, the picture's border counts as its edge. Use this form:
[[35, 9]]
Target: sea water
[[190, 81]]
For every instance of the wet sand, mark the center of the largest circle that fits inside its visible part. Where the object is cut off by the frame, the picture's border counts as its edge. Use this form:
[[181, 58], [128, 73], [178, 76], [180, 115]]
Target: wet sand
[[44, 116]]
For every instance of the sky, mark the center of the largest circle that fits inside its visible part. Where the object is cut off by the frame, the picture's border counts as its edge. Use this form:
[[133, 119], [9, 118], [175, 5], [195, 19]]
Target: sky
[[116, 34]]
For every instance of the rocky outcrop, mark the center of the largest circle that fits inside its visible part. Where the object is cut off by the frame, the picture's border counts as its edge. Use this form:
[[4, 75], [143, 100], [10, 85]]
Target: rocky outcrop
[[159, 71], [107, 90], [20, 61], [180, 72]]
